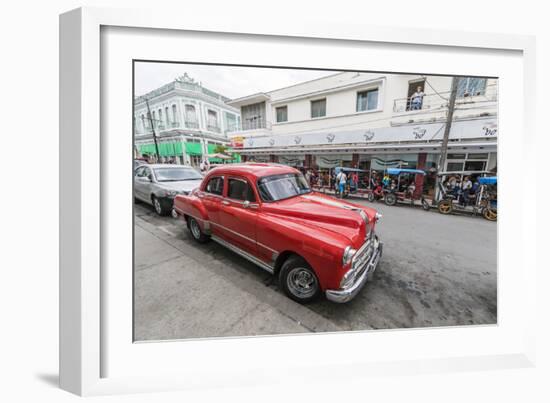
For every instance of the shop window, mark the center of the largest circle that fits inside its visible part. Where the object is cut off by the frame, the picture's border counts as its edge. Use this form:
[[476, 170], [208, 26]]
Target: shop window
[[456, 156], [478, 156], [474, 166], [455, 166]]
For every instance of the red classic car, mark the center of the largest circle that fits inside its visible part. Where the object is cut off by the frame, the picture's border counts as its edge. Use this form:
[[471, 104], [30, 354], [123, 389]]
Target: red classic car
[[268, 214]]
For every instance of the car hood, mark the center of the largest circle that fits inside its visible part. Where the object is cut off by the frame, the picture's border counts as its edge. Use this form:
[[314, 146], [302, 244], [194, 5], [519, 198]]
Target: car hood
[[318, 210], [181, 186]]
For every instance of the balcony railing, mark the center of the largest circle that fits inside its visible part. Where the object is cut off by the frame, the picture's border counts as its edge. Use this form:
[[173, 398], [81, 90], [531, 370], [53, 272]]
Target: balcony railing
[[249, 125], [212, 128], [441, 100], [191, 125]]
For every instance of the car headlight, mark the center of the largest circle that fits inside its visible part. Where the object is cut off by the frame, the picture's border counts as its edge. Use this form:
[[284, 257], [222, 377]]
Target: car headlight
[[348, 255], [171, 192], [377, 217]]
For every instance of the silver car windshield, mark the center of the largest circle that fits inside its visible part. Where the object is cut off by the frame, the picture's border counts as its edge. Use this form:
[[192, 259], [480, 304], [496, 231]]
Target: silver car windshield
[[176, 174], [279, 187]]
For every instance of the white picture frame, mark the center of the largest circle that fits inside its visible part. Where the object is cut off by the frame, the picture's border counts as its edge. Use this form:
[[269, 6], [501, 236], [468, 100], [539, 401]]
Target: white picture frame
[[89, 340]]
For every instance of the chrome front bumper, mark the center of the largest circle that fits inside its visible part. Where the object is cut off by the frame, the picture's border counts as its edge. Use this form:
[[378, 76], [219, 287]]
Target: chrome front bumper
[[347, 293]]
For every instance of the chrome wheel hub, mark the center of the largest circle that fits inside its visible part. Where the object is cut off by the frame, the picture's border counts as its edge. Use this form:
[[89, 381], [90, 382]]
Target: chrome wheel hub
[[195, 230], [158, 207], [301, 282]]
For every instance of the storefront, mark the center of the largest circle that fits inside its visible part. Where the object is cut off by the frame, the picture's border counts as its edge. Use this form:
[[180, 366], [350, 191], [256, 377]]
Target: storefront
[[190, 152]]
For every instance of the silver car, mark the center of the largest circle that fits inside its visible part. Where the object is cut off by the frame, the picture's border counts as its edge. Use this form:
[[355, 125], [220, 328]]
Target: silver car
[[158, 184]]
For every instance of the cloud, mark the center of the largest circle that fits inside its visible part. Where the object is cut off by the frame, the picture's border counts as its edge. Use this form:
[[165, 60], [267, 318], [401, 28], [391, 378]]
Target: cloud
[[230, 81]]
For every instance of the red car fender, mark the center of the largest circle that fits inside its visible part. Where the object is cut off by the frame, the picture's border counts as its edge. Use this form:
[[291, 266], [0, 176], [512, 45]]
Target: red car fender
[[192, 206], [320, 248]]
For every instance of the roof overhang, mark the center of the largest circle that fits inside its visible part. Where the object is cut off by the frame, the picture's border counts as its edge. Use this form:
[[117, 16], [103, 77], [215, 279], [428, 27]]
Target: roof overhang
[[249, 99]]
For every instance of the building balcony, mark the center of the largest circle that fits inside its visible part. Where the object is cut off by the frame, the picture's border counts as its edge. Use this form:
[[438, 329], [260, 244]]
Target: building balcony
[[215, 129], [434, 107], [258, 126]]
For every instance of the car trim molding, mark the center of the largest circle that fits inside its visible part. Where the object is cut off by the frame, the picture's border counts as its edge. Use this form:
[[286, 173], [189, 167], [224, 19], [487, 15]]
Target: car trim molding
[[273, 251], [269, 268], [207, 226]]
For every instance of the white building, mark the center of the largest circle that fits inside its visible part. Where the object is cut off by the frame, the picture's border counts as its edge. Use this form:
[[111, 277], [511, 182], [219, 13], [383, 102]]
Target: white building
[[367, 120], [189, 121]]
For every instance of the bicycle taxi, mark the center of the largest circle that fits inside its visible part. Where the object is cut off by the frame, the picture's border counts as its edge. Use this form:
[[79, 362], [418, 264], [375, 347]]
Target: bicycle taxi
[[402, 188], [480, 200]]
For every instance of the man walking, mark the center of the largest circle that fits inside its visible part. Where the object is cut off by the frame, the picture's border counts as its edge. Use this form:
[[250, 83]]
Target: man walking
[[341, 179]]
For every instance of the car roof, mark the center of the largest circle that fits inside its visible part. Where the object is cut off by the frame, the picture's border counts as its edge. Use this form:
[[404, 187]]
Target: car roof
[[255, 169], [167, 166]]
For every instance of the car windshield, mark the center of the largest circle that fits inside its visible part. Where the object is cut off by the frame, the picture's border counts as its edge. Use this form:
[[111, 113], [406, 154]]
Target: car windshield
[[174, 174], [279, 187]]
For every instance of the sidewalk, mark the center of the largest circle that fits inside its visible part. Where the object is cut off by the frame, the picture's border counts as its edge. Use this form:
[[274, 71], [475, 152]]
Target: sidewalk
[[186, 290]]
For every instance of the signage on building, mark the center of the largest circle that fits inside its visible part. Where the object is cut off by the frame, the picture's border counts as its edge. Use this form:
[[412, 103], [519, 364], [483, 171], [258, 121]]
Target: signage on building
[[470, 129], [237, 142]]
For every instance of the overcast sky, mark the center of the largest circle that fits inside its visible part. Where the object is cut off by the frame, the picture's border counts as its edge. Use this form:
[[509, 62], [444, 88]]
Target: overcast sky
[[232, 82]]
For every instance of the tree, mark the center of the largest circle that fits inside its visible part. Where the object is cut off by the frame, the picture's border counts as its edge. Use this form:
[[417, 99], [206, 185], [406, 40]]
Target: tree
[[220, 149]]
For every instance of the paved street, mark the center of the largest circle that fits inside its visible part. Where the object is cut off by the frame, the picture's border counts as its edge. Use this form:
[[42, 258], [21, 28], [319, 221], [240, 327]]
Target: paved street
[[436, 271]]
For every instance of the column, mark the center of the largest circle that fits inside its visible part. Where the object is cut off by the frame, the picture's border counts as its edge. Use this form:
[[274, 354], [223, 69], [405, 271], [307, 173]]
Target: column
[[419, 179], [308, 162], [355, 161]]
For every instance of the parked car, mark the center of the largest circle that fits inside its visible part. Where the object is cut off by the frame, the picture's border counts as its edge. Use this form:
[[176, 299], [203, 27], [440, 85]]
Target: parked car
[[138, 163], [158, 184], [268, 214]]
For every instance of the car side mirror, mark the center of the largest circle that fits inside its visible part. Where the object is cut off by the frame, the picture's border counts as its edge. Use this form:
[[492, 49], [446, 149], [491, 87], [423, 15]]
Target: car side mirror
[[150, 177]]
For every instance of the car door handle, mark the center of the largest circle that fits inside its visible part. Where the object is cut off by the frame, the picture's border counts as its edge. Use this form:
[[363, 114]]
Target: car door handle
[[225, 203]]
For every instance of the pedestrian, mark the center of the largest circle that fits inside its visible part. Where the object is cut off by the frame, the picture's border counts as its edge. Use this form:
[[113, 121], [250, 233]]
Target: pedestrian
[[308, 177], [341, 180], [417, 98], [466, 187]]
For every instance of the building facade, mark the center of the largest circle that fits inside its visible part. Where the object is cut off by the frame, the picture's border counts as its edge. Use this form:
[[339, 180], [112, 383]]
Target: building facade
[[189, 120], [370, 121]]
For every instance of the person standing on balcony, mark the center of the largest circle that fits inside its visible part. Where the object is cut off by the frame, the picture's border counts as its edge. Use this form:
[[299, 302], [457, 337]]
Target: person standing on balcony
[[417, 98]]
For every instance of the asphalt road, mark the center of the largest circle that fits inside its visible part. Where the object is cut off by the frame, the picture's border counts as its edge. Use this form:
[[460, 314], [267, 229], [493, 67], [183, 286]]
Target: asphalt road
[[436, 271]]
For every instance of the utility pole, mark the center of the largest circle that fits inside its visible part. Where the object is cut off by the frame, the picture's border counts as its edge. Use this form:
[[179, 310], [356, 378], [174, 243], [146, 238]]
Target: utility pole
[[150, 117], [443, 154]]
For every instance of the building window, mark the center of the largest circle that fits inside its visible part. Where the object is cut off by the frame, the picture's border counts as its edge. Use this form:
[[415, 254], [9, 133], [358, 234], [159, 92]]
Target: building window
[[191, 117], [166, 117], [212, 121], [367, 100], [161, 123], [230, 122], [174, 114], [319, 108], [253, 116], [471, 86], [282, 113]]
